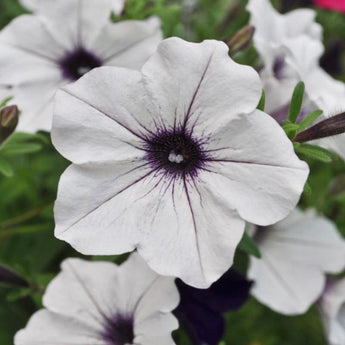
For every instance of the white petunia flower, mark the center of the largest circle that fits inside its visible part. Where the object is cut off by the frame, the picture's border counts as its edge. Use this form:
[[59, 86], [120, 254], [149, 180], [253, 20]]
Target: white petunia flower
[[332, 309], [49, 7], [100, 303], [171, 160], [290, 53], [272, 32], [40, 53], [296, 254], [321, 90]]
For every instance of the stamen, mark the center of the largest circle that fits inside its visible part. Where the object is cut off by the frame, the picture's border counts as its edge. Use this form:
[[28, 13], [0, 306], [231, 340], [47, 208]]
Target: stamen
[[175, 158], [175, 152]]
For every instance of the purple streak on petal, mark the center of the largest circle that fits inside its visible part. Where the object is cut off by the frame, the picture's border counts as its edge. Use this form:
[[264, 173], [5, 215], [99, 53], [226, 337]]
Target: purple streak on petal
[[200, 309]]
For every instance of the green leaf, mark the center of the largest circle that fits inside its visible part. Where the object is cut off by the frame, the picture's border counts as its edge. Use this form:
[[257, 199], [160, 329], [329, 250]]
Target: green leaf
[[25, 229], [315, 152], [261, 105], [307, 189], [296, 102], [5, 101], [290, 129], [296, 145], [5, 168], [248, 246], [16, 294], [12, 148], [21, 137], [308, 120]]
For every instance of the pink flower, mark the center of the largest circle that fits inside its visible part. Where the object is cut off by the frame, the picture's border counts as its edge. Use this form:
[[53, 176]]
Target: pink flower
[[336, 5]]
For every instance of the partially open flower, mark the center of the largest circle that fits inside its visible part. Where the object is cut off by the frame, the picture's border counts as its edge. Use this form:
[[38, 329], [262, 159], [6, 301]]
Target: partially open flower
[[62, 41], [332, 310], [171, 161], [101, 303], [296, 253], [8, 121]]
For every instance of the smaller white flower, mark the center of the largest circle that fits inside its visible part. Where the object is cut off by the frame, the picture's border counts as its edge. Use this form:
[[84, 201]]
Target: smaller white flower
[[49, 7], [332, 309], [62, 41], [295, 255], [272, 30], [100, 303], [290, 47]]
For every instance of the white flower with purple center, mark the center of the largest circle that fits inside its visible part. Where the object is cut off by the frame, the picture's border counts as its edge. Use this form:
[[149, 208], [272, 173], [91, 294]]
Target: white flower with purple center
[[291, 53], [171, 161], [296, 254], [41, 52], [273, 31], [101, 303], [332, 310]]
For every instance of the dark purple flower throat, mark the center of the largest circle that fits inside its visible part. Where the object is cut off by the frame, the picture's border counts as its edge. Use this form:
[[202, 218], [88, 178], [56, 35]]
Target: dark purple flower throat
[[119, 331], [176, 152], [76, 63]]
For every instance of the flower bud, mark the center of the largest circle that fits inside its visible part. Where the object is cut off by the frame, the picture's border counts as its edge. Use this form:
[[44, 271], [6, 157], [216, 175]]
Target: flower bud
[[7, 276], [241, 39], [326, 128], [8, 121]]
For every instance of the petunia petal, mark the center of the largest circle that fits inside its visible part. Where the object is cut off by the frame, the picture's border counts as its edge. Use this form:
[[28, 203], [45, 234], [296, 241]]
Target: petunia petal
[[106, 220], [85, 127], [159, 340], [262, 181], [150, 293], [196, 98], [188, 248], [332, 310], [29, 49], [78, 17], [46, 327], [36, 104], [85, 291], [47, 6], [133, 42], [296, 253], [287, 289]]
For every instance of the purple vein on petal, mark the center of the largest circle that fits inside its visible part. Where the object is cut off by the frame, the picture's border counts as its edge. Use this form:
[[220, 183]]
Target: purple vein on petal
[[108, 199], [105, 114]]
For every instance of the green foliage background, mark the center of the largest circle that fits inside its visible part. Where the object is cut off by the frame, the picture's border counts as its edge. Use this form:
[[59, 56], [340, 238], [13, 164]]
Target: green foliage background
[[28, 246]]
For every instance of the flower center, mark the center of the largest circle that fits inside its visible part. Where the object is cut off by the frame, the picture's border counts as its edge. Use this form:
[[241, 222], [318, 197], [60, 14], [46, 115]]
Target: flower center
[[76, 63], [176, 152], [278, 67], [119, 331]]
